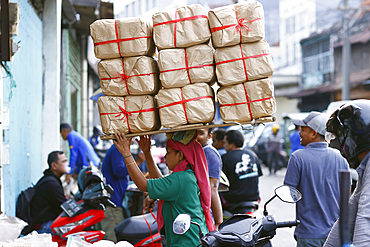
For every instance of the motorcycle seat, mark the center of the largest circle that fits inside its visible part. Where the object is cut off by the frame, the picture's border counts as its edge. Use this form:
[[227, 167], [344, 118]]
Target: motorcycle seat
[[135, 228], [241, 205]]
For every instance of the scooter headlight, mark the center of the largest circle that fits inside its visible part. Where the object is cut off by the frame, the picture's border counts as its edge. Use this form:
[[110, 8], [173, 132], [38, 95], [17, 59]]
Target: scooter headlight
[[61, 230]]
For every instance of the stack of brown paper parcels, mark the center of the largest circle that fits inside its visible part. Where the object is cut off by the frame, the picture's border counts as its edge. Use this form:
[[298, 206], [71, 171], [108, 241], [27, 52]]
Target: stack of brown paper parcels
[[186, 66], [243, 62], [129, 76]]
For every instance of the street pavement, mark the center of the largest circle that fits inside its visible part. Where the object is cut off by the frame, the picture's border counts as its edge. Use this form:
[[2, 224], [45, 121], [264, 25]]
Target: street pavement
[[280, 210]]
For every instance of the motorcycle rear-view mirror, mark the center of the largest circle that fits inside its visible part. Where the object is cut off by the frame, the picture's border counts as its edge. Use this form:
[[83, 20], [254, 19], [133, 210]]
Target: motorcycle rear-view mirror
[[288, 194], [181, 224]]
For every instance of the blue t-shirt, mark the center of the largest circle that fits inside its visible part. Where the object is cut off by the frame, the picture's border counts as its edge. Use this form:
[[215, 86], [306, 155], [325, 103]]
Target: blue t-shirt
[[81, 152], [314, 171], [295, 141], [221, 151], [115, 172], [213, 160]]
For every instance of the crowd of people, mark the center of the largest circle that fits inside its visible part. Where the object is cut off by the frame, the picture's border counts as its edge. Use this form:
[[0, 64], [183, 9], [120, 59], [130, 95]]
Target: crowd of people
[[196, 159]]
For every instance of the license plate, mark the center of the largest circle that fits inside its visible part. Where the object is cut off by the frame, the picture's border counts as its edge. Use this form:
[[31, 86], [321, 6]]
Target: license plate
[[71, 207]]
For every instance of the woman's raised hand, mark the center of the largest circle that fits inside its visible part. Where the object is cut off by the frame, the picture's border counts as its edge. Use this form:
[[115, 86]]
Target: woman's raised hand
[[123, 144], [145, 143]]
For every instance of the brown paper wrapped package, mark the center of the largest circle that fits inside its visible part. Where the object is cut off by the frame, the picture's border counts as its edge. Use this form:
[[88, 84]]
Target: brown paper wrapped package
[[124, 37], [183, 66], [182, 27], [246, 101], [239, 23], [129, 76], [243, 62], [190, 104], [130, 114]]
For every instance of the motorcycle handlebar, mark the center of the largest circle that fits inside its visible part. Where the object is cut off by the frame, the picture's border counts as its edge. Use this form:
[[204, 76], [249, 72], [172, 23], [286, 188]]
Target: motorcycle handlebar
[[287, 223]]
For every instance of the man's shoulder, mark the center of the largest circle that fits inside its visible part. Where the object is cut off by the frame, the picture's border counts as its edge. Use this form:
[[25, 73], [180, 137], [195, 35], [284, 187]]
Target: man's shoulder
[[211, 150], [48, 179], [250, 152], [76, 137]]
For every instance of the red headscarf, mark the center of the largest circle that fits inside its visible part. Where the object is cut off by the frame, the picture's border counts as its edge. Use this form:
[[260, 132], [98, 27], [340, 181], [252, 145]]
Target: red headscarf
[[194, 155]]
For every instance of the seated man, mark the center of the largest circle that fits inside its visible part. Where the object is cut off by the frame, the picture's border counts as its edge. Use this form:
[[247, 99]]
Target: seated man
[[242, 168], [45, 205]]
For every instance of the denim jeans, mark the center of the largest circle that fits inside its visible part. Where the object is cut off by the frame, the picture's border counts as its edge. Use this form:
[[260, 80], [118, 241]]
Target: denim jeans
[[45, 228], [309, 242]]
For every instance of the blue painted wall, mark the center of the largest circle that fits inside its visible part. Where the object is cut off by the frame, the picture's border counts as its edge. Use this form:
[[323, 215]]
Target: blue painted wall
[[25, 109]]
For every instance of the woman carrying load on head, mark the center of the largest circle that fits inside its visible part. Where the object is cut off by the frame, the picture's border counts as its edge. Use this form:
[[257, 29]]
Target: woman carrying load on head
[[186, 190]]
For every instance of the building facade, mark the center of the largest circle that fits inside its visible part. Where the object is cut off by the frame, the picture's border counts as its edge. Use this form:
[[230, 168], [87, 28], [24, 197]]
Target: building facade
[[322, 63], [44, 84]]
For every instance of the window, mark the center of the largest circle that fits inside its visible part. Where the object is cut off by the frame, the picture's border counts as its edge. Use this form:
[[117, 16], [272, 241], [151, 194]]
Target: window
[[316, 58], [126, 11], [133, 8], [139, 6], [287, 54], [287, 25], [147, 5], [154, 4], [290, 25]]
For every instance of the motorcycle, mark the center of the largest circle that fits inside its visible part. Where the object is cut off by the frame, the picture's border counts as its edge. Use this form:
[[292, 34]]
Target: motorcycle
[[242, 229], [83, 211]]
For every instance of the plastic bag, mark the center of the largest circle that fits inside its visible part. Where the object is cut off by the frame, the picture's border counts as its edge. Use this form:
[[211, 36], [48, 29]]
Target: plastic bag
[[32, 240], [108, 243], [76, 241], [10, 227], [123, 244]]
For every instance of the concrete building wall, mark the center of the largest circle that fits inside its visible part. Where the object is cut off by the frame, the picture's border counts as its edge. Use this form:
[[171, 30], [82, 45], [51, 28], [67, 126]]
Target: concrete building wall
[[22, 91], [51, 78], [144, 8], [297, 21], [285, 105], [1, 144]]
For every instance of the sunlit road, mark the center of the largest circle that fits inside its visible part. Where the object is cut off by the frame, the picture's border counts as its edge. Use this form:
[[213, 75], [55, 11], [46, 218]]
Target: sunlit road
[[280, 210]]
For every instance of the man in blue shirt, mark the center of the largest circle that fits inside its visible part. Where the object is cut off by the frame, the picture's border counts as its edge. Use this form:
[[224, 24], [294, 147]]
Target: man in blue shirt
[[81, 151], [115, 172], [295, 140], [314, 171], [214, 169]]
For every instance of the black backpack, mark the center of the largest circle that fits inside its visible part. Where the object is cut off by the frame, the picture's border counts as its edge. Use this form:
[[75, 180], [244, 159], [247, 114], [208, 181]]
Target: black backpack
[[23, 206]]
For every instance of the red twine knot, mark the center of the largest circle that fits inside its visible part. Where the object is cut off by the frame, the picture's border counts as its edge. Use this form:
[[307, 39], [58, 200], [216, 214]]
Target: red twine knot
[[124, 113], [240, 24], [124, 76]]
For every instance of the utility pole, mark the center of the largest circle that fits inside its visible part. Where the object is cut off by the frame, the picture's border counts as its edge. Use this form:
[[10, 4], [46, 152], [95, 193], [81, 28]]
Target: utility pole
[[346, 54]]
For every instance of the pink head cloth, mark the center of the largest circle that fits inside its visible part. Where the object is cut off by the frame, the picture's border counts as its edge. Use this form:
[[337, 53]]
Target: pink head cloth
[[194, 155]]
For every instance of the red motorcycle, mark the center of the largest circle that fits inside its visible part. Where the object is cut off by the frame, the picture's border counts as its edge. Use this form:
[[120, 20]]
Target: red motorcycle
[[83, 211]]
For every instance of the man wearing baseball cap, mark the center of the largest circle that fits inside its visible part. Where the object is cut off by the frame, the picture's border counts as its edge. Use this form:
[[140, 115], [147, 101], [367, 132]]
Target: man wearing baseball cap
[[314, 171]]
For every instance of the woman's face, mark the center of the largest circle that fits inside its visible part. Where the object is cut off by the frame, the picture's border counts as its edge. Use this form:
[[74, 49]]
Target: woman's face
[[173, 158]]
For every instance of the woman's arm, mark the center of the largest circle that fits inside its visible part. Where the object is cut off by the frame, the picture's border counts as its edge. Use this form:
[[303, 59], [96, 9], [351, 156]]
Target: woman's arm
[[145, 146], [123, 145]]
